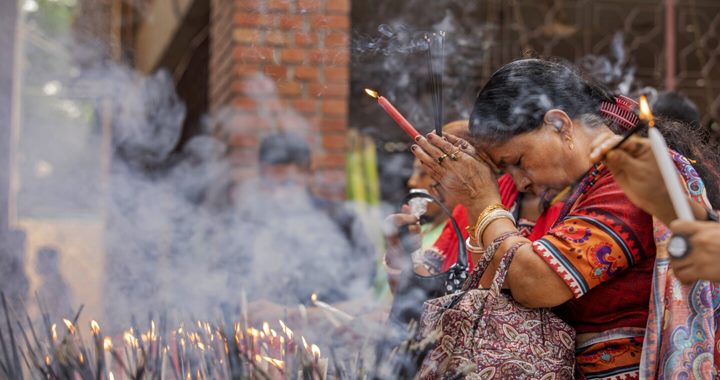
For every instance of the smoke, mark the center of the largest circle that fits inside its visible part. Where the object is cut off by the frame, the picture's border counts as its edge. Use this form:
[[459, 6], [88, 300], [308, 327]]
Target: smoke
[[181, 238], [150, 223], [616, 70], [393, 57]]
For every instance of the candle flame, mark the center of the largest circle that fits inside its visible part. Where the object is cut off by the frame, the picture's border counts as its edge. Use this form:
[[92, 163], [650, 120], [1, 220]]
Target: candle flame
[[273, 333], [645, 112], [372, 93], [275, 362], [70, 326], [82, 358], [266, 328], [107, 343], [315, 351], [130, 338], [304, 342], [289, 333], [313, 298], [94, 327], [111, 376], [47, 359], [54, 331]]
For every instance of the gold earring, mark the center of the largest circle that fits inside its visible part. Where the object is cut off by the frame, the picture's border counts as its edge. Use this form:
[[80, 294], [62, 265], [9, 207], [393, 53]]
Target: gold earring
[[570, 140]]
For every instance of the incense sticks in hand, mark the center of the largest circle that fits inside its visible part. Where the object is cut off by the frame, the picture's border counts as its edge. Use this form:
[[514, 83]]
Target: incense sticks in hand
[[436, 76]]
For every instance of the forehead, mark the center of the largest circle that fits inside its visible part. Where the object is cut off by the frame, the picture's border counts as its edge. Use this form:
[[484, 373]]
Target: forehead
[[508, 151]]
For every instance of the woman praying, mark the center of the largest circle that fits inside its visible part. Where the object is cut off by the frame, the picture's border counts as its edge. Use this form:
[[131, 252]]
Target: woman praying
[[536, 120]]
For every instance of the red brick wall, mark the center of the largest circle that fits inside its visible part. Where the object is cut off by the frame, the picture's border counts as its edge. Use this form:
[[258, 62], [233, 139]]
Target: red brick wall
[[302, 46]]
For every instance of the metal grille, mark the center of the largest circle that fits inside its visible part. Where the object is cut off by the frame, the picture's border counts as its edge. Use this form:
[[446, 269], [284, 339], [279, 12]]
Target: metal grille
[[576, 29], [581, 31]]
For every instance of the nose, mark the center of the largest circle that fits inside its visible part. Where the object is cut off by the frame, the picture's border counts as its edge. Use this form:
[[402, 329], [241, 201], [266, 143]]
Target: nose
[[521, 180]]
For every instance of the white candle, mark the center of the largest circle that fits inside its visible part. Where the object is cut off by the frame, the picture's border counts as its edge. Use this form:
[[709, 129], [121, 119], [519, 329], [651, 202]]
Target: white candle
[[670, 176]]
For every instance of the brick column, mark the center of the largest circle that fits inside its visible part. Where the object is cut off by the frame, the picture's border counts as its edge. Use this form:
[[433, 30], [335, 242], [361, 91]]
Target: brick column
[[282, 64]]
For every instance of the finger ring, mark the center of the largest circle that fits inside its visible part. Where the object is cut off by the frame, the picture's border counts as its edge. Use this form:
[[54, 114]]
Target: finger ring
[[453, 155], [442, 158]]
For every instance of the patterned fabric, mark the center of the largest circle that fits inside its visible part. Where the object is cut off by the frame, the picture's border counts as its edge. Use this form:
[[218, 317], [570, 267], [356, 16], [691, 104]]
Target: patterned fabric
[[681, 340], [501, 338], [602, 247], [446, 244], [611, 355]]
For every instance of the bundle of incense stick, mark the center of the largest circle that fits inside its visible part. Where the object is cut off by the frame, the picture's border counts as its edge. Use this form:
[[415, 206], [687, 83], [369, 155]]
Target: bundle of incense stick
[[436, 42]]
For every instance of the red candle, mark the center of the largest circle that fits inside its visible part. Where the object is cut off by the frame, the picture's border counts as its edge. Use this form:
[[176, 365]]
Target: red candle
[[395, 114]]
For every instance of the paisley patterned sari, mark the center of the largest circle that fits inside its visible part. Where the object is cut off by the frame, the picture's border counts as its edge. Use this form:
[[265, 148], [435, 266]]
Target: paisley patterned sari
[[613, 257], [681, 340]]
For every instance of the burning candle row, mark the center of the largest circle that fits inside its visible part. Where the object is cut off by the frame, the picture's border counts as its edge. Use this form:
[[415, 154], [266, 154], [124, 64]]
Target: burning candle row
[[203, 352]]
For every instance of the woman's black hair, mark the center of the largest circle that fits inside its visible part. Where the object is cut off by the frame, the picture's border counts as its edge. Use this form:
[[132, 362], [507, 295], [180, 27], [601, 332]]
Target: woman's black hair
[[692, 143], [517, 96]]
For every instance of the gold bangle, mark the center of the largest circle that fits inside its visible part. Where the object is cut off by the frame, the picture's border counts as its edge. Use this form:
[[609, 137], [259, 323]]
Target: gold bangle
[[495, 206], [489, 219]]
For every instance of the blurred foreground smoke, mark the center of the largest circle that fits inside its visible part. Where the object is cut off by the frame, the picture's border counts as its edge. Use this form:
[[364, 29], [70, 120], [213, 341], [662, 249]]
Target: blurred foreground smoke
[[13, 280]]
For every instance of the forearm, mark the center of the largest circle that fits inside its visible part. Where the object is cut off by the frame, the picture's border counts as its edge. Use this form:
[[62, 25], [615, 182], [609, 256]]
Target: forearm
[[532, 282]]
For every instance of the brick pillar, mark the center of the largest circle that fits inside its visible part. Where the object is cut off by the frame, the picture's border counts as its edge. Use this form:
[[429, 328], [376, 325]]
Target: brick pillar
[[282, 64]]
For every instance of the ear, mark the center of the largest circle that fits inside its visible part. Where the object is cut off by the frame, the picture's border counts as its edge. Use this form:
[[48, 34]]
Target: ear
[[560, 122]]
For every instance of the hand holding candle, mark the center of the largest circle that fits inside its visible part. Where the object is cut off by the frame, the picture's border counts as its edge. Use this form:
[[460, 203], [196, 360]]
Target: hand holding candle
[[636, 166], [395, 114]]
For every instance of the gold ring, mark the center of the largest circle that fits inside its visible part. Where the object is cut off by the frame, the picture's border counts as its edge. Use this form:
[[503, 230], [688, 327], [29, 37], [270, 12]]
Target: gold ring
[[442, 158], [453, 155]]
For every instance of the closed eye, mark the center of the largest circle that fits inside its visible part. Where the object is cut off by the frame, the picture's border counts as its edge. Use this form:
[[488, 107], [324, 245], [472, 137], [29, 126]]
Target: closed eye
[[519, 162]]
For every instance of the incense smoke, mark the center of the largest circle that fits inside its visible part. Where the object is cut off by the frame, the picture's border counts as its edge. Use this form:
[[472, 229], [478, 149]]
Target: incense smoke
[[392, 57], [170, 229]]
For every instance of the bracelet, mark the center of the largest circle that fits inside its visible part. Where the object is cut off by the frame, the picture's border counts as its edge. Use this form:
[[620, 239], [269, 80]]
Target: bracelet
[[472, 248], [390, 270], [497, 242], [495, 206], [493, 216]]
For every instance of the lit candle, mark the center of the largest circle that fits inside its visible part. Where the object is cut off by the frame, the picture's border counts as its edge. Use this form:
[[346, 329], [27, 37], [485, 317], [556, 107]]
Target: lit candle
[[394, 113], [107, 353], [667, 168]]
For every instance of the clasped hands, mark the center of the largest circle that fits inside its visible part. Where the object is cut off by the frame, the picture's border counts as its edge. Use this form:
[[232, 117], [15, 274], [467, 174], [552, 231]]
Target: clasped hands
[[459, 168]]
